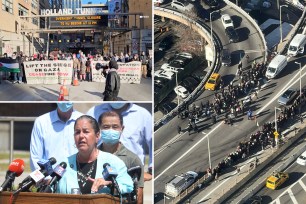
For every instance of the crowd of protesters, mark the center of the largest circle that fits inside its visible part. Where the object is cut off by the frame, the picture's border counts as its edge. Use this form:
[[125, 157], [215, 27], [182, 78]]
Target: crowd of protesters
[[82, 64]]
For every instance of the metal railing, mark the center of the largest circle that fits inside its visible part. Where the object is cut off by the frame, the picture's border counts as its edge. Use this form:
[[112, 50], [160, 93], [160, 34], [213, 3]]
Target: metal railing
[[12, 121]]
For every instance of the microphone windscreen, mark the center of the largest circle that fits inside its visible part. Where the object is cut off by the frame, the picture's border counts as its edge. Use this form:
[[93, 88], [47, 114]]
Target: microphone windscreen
[[105, 165], [52, 160], [17, 166]]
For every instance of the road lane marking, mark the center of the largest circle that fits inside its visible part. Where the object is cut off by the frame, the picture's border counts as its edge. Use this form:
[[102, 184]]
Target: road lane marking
[[292, 196], [288, 85], [277, 201], [289, 187], [187, 152], [165, 146], [302, 184]]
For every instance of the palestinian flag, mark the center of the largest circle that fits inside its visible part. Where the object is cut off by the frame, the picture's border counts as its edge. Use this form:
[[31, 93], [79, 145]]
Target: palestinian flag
[[9, 65]]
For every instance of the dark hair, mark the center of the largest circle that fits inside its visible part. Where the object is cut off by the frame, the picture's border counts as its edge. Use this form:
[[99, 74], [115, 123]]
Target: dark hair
[[110, 114], [91, 120]]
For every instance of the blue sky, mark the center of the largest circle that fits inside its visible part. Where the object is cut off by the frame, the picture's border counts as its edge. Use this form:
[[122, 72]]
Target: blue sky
[[93, 1]]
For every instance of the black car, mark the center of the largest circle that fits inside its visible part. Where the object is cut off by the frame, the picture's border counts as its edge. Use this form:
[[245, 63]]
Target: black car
[[167, 107], [232, 34], [213, 4], [226, 57], [166, 43], [179, 62]]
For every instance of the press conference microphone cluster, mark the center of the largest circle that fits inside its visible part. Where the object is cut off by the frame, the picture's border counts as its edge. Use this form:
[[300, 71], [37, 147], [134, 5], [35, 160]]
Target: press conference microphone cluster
[[110, 174], [57, 174], [37, 175], [15, 169]]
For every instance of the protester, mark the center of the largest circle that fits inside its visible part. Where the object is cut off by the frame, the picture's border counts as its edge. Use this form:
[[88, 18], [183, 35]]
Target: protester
[[84, 168], [144, 62], [51, 131], [111, 125], [112, 83]]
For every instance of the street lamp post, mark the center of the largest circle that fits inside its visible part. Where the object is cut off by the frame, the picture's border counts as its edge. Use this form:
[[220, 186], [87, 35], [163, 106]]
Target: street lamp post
[[211, 28], [178, 98], [280, 22], [276, 137], [209, 160], [300, 85]]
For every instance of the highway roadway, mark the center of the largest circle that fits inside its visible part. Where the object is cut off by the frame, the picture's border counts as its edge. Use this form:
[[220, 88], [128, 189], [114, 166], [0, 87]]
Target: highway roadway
[[179, 153], [292, 191]]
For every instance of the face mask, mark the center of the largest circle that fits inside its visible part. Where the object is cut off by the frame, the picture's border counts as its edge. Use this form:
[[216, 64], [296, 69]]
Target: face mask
[[117, 105], [65, 107], [109, 137]]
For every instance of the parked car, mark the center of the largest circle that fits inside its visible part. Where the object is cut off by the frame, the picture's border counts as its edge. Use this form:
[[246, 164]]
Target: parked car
[[179, 183], [302, 159], [226, 59], [182, 5], [181, 91], [227, 21], [289, 95], [276, 180], [164, 74], [232, 34], [213, 4], [166, 43]]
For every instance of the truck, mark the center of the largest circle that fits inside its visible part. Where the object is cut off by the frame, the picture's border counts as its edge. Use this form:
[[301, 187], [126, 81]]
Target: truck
[[179, 183]]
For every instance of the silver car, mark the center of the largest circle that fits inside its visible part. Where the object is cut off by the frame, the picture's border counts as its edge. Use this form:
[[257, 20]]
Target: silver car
[[289, 95], [182, 5]]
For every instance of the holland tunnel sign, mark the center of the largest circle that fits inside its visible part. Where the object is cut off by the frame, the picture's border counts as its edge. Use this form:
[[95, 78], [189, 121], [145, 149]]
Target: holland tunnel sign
[[89, 21]]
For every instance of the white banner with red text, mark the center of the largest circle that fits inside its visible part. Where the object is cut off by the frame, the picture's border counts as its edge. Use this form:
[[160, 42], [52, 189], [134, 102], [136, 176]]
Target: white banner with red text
[[48, 72]]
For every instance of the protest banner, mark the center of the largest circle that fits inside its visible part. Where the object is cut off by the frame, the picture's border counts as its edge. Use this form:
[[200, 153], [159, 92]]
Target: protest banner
[[48, 72], [129, 72]]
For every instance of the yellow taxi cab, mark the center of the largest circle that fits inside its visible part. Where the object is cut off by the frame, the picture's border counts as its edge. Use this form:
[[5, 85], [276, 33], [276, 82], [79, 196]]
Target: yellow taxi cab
[[213, 82], [276, 179]]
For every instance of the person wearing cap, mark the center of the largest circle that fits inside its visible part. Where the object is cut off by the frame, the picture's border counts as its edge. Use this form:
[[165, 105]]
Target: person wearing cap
[[112, 83]]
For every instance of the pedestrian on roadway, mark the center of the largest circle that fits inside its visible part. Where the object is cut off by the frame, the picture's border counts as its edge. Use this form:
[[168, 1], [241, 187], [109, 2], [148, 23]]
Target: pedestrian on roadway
[[250, 113], [179, 129], [247, 57]]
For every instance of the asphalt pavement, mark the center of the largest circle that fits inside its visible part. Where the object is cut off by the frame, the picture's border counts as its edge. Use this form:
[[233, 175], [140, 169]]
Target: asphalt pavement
[[86, 91], [227, 181]]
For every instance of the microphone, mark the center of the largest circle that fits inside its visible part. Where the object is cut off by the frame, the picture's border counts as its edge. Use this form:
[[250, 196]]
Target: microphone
[[135, 172], [57, 174], [15, 169], [37, 175], [110, 174]]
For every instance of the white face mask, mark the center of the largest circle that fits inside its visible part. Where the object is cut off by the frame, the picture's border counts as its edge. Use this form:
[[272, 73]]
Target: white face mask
[[117, 105]]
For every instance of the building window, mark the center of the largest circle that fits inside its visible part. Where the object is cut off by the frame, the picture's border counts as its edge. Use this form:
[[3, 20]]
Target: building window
[[22, 11], [34, 5], [34, 20], [7, 5]]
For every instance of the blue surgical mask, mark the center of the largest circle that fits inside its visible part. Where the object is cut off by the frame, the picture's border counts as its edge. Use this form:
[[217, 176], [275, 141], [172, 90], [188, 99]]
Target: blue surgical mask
[[65, 107], [117, 105], [109, 136]]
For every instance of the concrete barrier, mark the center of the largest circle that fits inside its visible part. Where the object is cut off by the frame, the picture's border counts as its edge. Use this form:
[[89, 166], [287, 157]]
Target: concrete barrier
[[204, 33], [260, 167]]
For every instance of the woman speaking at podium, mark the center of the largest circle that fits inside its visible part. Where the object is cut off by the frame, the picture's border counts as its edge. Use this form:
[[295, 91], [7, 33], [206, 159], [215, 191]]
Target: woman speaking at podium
[[84, 170]]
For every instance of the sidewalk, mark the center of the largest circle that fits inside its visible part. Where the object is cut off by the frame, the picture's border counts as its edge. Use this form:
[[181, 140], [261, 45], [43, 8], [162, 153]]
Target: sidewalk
[[86, 91], [213, 192]]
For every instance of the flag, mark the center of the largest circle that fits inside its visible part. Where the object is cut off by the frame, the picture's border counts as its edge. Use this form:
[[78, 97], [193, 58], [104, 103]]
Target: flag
[[9, 65]]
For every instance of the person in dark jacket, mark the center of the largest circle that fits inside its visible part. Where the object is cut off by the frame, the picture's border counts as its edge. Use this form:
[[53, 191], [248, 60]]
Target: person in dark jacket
[[112, 84]]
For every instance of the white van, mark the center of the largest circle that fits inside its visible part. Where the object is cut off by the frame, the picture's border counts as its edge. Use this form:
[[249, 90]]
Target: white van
[[297, 44], [278, 63]]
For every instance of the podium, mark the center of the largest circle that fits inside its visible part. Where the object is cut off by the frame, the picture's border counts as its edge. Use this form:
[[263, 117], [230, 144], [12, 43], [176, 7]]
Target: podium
[[53, 198]]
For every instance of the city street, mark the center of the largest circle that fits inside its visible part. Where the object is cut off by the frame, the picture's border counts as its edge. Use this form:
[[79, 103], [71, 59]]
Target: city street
[[86, 91]]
